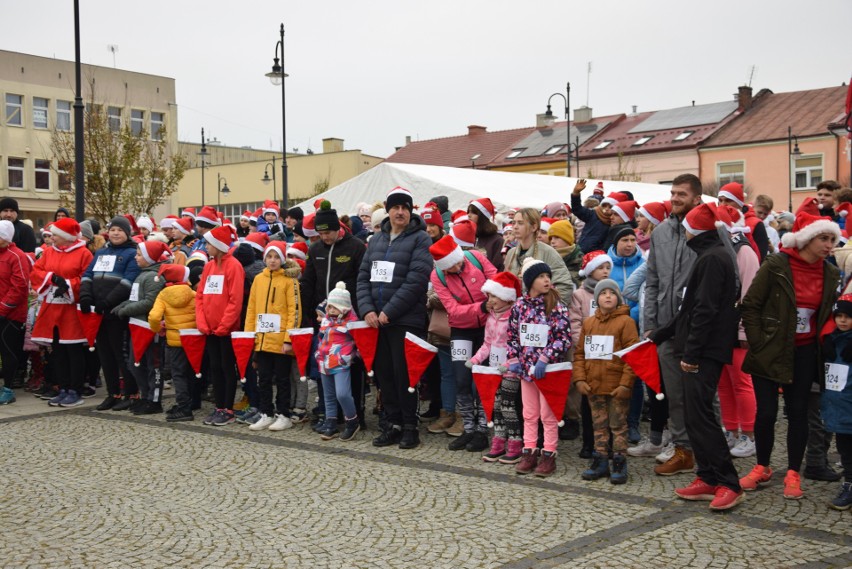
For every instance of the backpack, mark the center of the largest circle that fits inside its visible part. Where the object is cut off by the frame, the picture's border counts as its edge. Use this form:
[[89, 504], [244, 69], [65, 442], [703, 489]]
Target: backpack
[[467, 255]]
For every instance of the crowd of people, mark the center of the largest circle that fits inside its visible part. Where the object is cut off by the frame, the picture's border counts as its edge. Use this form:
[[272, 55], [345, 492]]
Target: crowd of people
[[739, 303]]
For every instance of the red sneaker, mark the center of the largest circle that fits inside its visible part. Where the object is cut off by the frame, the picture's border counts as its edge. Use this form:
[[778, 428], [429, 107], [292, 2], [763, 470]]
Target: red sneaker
[[697, 490], [758, 475], [726, 498], [793, 486]]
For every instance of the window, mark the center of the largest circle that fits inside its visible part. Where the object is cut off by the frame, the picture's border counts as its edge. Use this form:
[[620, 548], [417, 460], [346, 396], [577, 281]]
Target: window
[[603, 145], [727, 172], [554, 149], [63, 115], [16, 173], [114, 118], [157, 124], [42, 175], [14, 107], [515, 153], [808, 171], [137, 121], [64, 177], [39, 112], [684, 135], [642, 140]]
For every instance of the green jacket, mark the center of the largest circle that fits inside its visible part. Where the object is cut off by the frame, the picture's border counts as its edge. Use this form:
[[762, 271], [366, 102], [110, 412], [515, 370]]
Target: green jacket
[[147, 286], [769, 318]]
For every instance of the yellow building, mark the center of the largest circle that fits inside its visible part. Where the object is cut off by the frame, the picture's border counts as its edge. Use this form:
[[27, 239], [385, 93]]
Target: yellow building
[[38, 96], [308, 174]]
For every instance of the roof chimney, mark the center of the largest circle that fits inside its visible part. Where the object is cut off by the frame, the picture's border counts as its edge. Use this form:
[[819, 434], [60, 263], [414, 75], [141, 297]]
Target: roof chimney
[[408, 140], [541, 120], [744, 98], [583, 114], [332, 145], [475, 129], [635, 110]]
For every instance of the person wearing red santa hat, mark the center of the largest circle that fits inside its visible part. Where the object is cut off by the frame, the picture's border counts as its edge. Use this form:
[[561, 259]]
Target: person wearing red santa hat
[[597, 220], [218, 306], [15, 270], [183, 239], [480, 212], [648, 217], [623, 216], [145, 225], [205, 220], [56, 279], [175, 308], [733, 195], [270, 222], [704, 333], [797, 288], [434, 223]]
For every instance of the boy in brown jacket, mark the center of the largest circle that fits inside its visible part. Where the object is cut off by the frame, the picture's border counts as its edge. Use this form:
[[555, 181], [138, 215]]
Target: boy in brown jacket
[[605, 379]]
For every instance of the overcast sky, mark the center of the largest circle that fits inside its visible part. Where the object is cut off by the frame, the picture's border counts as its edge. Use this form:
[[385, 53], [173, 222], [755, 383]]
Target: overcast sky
[[375, 71]]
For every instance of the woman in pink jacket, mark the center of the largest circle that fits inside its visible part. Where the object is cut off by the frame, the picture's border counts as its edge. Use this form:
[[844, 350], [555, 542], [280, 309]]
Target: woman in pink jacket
[[458, 279]]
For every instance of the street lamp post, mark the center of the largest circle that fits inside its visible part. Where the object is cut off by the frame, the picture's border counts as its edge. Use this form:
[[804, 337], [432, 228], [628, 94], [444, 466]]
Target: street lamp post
[[266, 178], [792, 151], [79, 164], [203, 155], [222, 189], [548, 117], [277, 76]]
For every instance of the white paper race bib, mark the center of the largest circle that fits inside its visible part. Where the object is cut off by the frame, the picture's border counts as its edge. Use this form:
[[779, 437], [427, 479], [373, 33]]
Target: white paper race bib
[[534, 335], [62, 299], [382, 272], [461, 350], [134, 293], [267, 323], [598, 347], [593, 305], [105, 264], [496, 357], [803, 320], [836, 376], [215, 284]]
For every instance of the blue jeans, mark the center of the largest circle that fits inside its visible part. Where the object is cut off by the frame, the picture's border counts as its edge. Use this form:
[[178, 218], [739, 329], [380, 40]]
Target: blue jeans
[[637, 401], [448, 380], [336, 389]]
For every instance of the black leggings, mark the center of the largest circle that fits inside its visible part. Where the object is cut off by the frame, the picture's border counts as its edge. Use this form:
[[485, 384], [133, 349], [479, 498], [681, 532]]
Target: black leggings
[[796, 396], [223, 371], [11, 345], [844, 447]]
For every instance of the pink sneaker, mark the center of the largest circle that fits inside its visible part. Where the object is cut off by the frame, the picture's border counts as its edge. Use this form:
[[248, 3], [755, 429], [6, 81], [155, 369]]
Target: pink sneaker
[[498, 449]]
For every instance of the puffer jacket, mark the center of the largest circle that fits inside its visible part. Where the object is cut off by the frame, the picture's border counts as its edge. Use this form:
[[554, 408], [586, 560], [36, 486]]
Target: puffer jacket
[[582, 306], [528, 310], [605, 375], [275, 293], [218, 313], [176, 305], [622, 268], [669, 263], [462, 296], [14, 283], [145, 289], [335, 348], [635, 290], [836, 406], [106, 289], [403, 300], [769, 318], [493, 350]]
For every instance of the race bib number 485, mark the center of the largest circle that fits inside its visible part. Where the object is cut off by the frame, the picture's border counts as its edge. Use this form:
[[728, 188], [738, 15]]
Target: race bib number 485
[[534, 335]]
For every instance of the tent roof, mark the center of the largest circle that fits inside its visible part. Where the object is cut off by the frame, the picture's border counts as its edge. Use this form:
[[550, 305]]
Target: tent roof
[[461, 185]]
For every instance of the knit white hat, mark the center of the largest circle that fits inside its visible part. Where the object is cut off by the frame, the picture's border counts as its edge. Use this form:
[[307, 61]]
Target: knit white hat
[[339, 297]]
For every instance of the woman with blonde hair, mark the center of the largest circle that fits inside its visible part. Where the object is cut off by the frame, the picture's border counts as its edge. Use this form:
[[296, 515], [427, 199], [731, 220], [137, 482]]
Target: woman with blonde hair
[[527, 223]]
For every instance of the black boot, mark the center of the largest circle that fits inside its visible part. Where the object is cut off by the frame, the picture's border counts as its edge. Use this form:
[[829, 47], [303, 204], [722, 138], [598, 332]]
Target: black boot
[[352, 427], [410, 437], [569, 431], [390, 436]]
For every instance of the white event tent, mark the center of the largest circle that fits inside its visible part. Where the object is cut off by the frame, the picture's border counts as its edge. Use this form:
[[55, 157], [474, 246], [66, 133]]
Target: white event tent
[[461, 185]]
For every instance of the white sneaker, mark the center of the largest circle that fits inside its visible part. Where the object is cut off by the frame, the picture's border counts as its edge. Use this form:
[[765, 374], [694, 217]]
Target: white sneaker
[[667, 452], [281, 423], [645, 448], [262, 423], [731, 439], [745, 447], [667, 437]]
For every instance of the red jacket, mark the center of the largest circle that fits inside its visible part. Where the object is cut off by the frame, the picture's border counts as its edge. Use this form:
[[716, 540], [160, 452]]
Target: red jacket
[[69, 263], [218, 304], [14, 283]]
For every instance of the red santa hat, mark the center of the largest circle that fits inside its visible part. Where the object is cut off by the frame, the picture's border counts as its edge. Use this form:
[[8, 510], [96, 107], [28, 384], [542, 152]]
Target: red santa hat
[[484, 206], [188, 212], [431, 216], [197, 256], [258, 240], [592, 260], [134, 228], [615, 197], [279, 247], [66, 228], [734, 192], [184, 225], [655, 212], [298, 250], [418, 355], [173, 274], [731, 218], [192, 341], [505, 286], [309, 225], [255, 214], [141, 337], [168, 221], [806, 227], [221, 238], [366, 339], [243, 345], [154, 251], [668, 205], [145, 222], [642, 358], [301, 340], [545, 224], [246, 215], [487, 380], [599, 189], [270, 206], [700, 219], [626, 210], [446, 252], [843, 209], [554, 387], [458, 216], [464, 232], [209, 215], [810, 206], [91, 323]]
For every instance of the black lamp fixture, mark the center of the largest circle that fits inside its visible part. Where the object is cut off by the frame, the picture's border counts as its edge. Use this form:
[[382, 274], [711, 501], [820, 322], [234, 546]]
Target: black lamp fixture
[[223, 189], [203, 155], [277, 76], [266, 178], [549, 119], [792, 152]]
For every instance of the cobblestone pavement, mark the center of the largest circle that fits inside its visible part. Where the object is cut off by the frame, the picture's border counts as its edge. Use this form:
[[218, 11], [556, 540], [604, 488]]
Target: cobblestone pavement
[[104, 489]]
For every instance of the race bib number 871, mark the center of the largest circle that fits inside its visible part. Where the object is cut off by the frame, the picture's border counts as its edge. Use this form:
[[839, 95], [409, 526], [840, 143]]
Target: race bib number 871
[[598, 347]]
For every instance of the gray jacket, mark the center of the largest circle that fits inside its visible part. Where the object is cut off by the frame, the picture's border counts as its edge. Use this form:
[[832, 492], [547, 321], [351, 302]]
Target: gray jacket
[[403, 299], [669, 263]]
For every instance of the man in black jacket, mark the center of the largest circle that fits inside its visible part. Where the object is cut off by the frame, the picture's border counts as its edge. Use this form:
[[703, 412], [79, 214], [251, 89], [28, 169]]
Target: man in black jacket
[[24, 236], [705, 333]]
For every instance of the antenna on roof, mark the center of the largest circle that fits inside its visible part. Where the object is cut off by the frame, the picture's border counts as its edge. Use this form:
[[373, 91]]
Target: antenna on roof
[[112, 48], [588, 80], [751, 74]]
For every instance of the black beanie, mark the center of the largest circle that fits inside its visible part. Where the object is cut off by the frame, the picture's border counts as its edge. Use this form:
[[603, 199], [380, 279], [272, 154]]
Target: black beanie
[[9, 203], [622, 231], [296, 213], [122, 223], [326, 218]]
